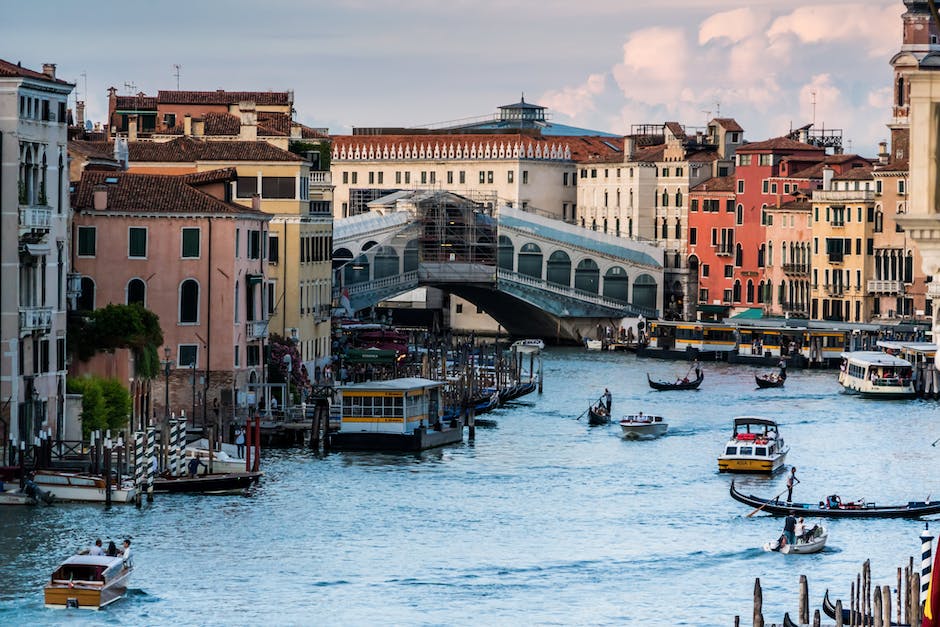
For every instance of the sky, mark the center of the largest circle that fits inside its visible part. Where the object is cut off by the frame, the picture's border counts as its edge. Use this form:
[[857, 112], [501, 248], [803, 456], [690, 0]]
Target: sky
[[598, 64]]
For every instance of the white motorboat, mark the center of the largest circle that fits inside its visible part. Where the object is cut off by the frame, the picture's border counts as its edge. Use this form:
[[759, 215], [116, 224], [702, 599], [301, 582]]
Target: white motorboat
[[72, 486], [530, 343], [643, 426], [594, 345], [874, 374], [225, 460], [812, 541]]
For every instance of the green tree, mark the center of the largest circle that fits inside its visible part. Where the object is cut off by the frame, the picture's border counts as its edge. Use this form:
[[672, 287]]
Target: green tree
[[323, 148], [106, 404], [119, 326]]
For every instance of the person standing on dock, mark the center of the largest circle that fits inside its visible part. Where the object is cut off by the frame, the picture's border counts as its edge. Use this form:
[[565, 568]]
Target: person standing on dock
[[240, 441], [791, 481]]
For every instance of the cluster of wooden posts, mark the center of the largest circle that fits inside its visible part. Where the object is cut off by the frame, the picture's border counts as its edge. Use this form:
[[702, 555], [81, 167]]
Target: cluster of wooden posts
[[867, 606]]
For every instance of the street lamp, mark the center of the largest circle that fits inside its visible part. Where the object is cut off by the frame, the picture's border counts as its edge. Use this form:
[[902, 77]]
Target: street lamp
[[287, 359], [167, 362], [193, 366]]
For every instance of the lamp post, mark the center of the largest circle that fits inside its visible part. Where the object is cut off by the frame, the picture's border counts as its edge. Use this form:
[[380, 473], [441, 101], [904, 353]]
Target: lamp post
[[287, 359], [193, 366], [167, 362]]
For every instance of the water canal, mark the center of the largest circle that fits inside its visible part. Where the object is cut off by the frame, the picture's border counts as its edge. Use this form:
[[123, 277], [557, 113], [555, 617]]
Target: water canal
[[542, 520]]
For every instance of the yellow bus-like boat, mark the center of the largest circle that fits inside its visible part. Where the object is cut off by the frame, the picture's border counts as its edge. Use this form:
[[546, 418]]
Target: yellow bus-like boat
[[755, 446]]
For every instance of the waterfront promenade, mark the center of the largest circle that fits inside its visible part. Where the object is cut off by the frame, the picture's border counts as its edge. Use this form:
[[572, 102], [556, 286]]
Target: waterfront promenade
[[541, 520]]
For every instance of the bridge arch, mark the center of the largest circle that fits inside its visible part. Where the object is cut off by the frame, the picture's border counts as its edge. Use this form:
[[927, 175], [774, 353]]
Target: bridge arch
[[644, 291], [410, 256], [506, 251], [357, 271], [530, 260], [369, 244], [617, 284], [341, 256], [587, 276], [559, 268], [385, 262]]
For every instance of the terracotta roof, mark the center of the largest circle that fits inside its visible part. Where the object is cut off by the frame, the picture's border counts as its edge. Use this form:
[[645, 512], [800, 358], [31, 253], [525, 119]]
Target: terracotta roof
[[716, 184], [139, 102], [778, 143], [211, 176], [582, 148], [814, 171], [854, 174], [95, 150], [676, 129], [151, 193], [897, 166], [222, 97], [221, 123], [311, 133], [649, 154], [273, 123], [15, 70], [703, 156], [189, 149], [729, 124], [798, 204]]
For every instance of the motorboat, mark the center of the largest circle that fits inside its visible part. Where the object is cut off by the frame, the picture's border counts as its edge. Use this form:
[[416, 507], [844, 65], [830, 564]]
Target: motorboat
[[680, 384], [224, 460], [833, 507], [528, 344], [874, 374], [594, 345], [755, 446], [643, 426], [228, 483], [813, 540], [88, 582], [73, 486]]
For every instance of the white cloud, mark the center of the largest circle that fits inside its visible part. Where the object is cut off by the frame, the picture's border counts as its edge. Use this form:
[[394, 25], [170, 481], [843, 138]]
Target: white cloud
[[864, 26], [577, 100], [733, 26], [653, 68]]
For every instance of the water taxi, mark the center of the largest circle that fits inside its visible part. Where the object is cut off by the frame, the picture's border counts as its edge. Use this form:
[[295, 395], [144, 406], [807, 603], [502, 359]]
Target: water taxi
[[87, 582], [72, 486], [638, 426], [755, 446], [875, 374]]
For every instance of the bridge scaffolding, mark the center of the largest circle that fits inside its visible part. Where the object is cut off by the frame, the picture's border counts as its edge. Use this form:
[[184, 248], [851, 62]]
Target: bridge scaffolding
[[455, 229]]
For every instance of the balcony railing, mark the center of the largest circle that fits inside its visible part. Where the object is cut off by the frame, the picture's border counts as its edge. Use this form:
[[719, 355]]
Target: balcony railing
[[35, 319], [35, 218], [834, 290], [724, 251], [321, 178], [885, 287], [796, 268], [794, 307], [256, 329]]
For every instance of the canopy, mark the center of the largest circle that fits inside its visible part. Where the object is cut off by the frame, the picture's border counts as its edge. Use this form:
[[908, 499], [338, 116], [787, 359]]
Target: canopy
[[371, 355]]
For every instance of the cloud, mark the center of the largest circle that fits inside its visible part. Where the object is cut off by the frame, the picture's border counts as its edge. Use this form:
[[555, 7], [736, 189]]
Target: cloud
[[825, 24], [732, 26], [654, 65], [577, 100]]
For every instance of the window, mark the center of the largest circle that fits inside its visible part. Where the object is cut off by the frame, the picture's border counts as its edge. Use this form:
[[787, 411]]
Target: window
[[137, 242], [693, 205], [252, 355], [458, 308], [565, 179], [136, 292], [729, 271], [190, 239], [705, 269], [372, 178], [765, 185], [355, 178], [433, 176], [345, 178], [729, 205], [407, 178], [169, 120], [450, 177], [254, 244], [593, 173], [189, 302], [509, 175], [247, 186], [693, 236], [773, 188], [740, 186], [525, 177], [281, 186], [238, 240], [665, 172], [901, 186], [482, 176], [766, 160], [679, 171], [703, 295], [744, 160], [86, 241], [489, 176], [273, 248], [739, 215], [397, 177], [187, 355], [463, 177], [235, 351]]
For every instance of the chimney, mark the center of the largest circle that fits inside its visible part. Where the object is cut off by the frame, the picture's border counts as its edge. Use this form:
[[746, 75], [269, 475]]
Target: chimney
[[827, 178], [804, 135], [187, 125], [49, 70], [132, 127], [199, 127], [628, 146], [256, 202], [100, 201], [80, 113], [883, 155], [249, 121]]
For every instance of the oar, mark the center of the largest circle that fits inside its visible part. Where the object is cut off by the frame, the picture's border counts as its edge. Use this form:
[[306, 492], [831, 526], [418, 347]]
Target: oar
[[765, 504], [935, 442], [585, 411]]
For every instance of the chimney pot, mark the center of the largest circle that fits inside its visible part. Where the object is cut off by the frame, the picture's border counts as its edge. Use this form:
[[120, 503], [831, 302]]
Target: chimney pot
[[49, 69], [100, 201], [132, 127], [256, 202]]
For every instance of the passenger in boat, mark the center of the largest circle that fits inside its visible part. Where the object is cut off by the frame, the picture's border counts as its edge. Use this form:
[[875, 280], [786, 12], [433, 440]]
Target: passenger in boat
[[791, 481], [799, 529], [126, 555], [789, 525], [112, 549], [96, 548]]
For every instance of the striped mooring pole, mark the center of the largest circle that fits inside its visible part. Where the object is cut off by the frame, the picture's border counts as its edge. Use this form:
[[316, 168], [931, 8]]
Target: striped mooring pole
[[151, 460], [926, 543], [139, 465]]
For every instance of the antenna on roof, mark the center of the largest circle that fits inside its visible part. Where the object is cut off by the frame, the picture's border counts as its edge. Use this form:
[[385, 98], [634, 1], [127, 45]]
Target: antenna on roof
[[717, 109], [177, 66], [130, 87], [814, 106], [523, 96]]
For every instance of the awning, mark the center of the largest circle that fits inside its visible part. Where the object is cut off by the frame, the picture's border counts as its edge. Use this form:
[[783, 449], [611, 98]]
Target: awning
[[714, 308], [371, 355], [749, 314], [41, 249]]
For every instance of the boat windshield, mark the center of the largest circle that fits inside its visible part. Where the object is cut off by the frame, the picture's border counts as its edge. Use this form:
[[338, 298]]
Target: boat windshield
[[731, 450], [79, 572]]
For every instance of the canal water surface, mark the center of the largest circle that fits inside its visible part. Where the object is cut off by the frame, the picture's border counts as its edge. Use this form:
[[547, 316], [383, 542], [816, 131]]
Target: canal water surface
[[541, 520]]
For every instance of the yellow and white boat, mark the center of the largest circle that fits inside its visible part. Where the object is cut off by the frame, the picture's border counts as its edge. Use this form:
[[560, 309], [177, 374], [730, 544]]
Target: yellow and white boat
[[755, 446], [88, 582]]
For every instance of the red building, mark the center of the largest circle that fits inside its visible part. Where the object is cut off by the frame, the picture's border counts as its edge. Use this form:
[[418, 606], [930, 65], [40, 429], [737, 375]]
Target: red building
[[711, 244]]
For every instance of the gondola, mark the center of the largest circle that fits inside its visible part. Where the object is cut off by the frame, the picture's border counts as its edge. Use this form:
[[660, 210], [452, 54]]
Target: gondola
[[769, 381], [776, 507], [207, 484], [598, 415], [830, 609], [679, 385]]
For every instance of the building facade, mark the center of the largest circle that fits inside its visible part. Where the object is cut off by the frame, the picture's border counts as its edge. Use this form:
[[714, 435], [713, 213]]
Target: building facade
[[34, 252]]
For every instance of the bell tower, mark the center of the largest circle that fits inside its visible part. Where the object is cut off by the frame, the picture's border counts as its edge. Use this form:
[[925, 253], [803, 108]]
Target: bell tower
[[920, 52]]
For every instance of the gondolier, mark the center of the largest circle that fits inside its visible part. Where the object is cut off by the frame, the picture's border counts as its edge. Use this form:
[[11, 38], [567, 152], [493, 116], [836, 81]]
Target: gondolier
[[791, 481]]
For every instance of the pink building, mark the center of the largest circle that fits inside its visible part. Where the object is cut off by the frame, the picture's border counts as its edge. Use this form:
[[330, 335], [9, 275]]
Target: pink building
[[181, 248]]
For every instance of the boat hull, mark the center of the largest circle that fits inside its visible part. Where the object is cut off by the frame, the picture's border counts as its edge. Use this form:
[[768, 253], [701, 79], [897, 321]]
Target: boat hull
[[207, 484], [637, 430], [82, 488], [768, 383], [751, 465], [815, 545], [596, 418], [91, 596], [775, 507], [663, 386]]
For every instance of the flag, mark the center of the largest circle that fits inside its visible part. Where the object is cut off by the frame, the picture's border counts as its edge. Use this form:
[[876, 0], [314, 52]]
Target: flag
[[932, 604]]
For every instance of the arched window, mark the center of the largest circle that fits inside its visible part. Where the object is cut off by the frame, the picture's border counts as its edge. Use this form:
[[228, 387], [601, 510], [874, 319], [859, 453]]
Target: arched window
[[678, 228], [593, 224], [605, 225], [783, 253], [629, 227], [750, 291], [385, 262], [136, 292], [616, 284], [665, 198], [505, 253], [587, 276], [678, 197], [341, 256], [676, 260], [644, 291], [900, 91], [665, 229], [357, 270], [736, 292], [86, 299], [739, 214], [189, 302], [738, 255], [530, 260], [770, 253], [559, 268], [760, 255], [411, 256]]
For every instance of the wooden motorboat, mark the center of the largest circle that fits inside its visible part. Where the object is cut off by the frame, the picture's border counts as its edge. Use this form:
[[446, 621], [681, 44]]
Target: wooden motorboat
[[835, 508], [207, 484], [73, 486], [682, 384], [812, 541], [223, 461], [643, 426], [754, 446], [15, 497], [88, 582], [769, 380], [598, 415]]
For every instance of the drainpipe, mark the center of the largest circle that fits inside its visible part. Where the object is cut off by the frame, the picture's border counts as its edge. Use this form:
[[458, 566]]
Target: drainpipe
[[205, 387]]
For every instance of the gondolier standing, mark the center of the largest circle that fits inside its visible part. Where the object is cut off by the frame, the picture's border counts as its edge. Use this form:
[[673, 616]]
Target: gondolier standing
[[791, 481], [608, 399]]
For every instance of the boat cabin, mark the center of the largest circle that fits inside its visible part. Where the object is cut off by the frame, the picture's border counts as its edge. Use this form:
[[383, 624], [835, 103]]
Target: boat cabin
[[87, 569], [872, 372], [757, 437], [397, 406]]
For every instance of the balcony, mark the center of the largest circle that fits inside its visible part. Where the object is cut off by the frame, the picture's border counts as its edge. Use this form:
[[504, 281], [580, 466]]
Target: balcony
[[794, 307], [256, 330], [35, 218], [725, 250], [34, 319], [834, 290], [319, 178], [801, 269], [885, 287], [835, 257]]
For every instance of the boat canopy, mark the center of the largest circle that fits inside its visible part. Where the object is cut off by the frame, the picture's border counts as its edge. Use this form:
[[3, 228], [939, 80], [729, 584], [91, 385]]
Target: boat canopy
[[877, 358], [753, 420], [91, 560]]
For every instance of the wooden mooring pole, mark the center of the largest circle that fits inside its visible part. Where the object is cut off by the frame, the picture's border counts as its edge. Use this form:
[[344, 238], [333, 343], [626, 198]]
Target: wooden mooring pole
[[804, 600], [758, 604]]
